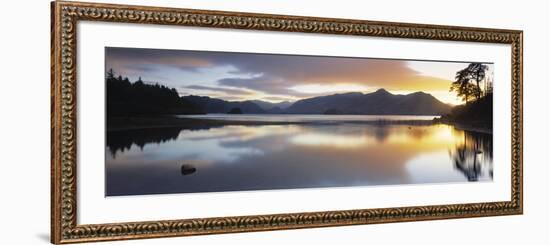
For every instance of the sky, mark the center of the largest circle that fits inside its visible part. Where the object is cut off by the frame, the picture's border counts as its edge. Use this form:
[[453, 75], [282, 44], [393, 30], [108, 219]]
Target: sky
[[281, 77]]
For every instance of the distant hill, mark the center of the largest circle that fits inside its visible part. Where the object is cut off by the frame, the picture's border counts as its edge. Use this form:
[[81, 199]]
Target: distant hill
[[380, 102], [268, 105], [213, 105], [275, 110], [127, 99]]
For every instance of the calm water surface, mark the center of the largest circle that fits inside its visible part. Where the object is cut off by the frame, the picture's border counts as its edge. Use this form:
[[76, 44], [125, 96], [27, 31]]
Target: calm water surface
[[233, 158], [306, 118]]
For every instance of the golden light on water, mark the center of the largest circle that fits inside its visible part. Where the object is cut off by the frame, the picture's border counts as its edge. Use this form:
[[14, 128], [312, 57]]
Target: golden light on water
[[414, 137], [426, 137], [320, 139], [313, 155]]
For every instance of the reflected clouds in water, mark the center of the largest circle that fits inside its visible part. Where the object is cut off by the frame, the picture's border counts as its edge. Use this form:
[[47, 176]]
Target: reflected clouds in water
[[234, 158]]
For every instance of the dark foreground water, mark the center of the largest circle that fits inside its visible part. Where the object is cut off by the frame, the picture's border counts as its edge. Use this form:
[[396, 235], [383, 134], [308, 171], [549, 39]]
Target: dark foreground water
[[235, 158]]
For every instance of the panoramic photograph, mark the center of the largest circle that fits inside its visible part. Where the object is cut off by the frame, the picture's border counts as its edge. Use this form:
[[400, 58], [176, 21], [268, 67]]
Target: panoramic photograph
[[184, 121]]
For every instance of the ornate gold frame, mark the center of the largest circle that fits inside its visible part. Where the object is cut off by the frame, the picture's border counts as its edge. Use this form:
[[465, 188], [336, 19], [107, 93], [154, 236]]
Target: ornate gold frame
[[65, 15]]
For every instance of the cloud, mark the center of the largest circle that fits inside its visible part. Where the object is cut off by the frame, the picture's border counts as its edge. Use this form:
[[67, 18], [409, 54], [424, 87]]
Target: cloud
[[272, 85], [232, 91], [280, 75], [131, 60], [276, 98]]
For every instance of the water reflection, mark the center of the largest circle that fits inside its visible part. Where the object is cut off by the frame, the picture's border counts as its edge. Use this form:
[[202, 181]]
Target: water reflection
[[232, 158], [474, 156], [121, 141]]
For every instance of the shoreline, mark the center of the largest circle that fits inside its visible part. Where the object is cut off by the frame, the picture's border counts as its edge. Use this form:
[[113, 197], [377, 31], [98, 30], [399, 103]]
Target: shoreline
[[470, 128], [465, 127], [129, 123], [150, 122]]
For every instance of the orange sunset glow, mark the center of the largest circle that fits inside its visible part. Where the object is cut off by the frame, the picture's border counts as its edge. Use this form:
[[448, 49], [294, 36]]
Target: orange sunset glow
[[275, 78], [184, 121]]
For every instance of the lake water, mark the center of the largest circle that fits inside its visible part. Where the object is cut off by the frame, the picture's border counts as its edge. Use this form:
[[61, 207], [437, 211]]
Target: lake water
[[264, 157]]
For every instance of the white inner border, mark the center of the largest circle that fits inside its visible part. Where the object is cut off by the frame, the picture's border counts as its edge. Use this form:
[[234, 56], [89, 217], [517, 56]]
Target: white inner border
[[94, 207]]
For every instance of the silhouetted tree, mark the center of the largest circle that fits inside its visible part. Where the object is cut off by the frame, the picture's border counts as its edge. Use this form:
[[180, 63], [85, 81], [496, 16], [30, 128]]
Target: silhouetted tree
[[465, 91], [467, 81], [129, 99], [477, 71], [110, 74]]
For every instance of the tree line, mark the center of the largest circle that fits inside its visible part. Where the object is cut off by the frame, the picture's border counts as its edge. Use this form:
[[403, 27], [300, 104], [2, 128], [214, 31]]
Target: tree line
[[125, 98]]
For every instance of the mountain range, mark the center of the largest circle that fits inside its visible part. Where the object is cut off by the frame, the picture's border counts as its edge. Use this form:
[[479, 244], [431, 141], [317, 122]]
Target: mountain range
[[380, 102], [213, 105], [268, 105]]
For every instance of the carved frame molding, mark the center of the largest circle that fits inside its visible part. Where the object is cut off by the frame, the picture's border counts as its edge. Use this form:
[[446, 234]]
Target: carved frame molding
[[66, 15]]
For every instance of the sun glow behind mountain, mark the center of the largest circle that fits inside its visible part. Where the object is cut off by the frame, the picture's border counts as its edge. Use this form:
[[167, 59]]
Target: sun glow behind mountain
[[276, 78], [329, 88]]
